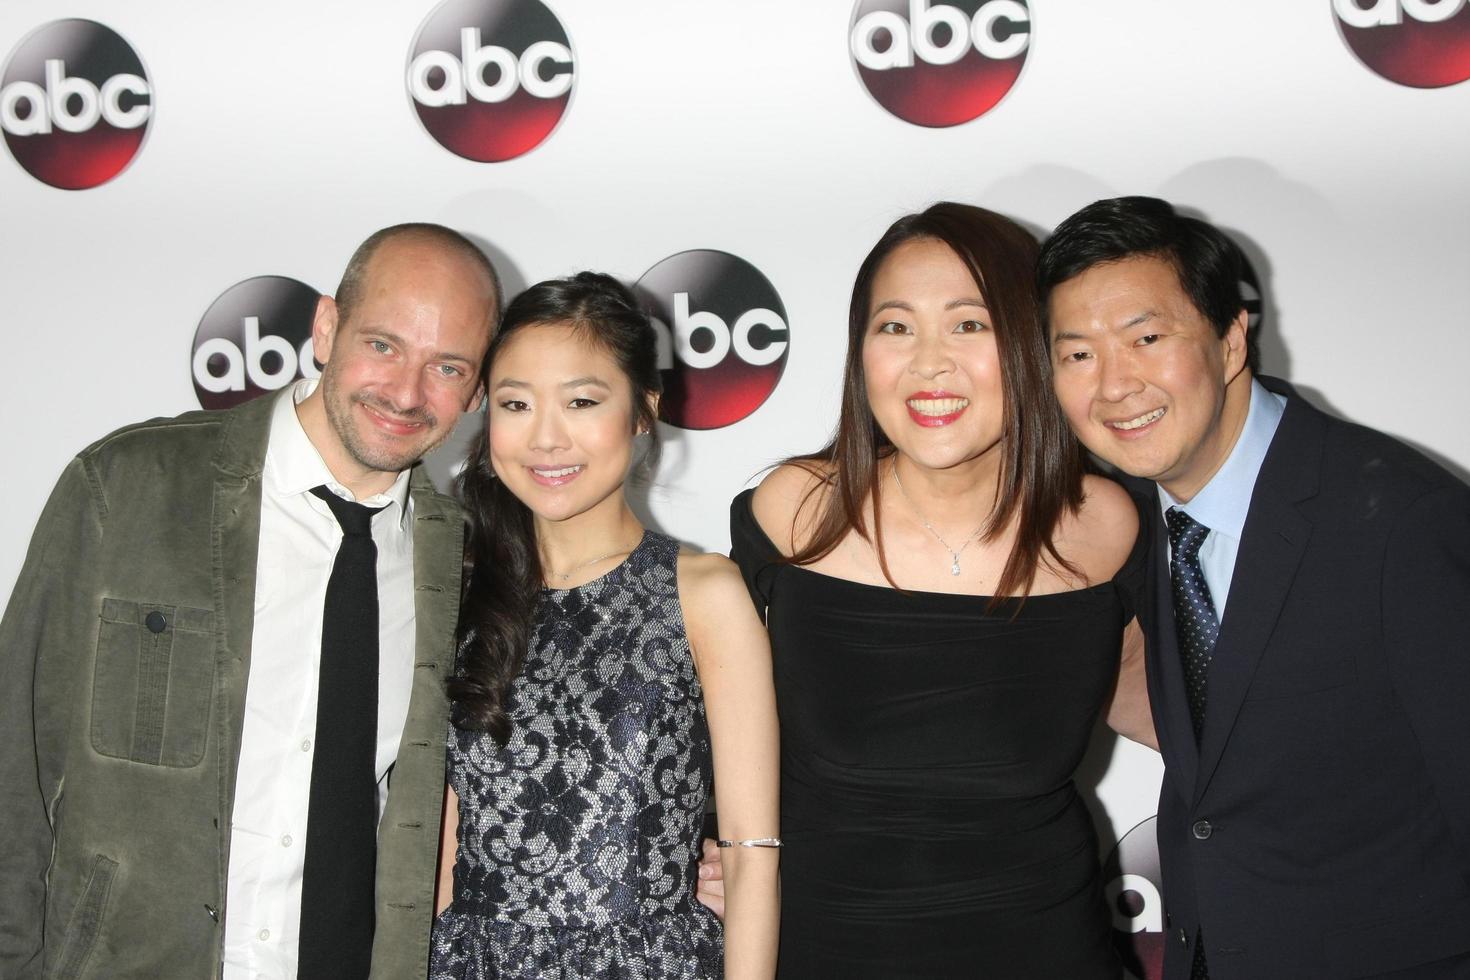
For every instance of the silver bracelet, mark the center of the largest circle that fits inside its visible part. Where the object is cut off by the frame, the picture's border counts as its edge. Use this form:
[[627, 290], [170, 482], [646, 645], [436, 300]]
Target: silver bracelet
[[751, 842]]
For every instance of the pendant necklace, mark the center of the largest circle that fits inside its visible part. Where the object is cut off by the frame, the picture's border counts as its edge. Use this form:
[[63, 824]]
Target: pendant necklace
[[954, 555]]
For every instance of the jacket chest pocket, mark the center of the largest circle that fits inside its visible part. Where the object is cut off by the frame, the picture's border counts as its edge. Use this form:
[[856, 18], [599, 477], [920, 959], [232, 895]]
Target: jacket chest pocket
[[153, 682]]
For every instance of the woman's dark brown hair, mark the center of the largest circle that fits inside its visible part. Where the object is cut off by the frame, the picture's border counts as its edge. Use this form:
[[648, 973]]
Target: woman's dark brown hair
[[1042, 464]]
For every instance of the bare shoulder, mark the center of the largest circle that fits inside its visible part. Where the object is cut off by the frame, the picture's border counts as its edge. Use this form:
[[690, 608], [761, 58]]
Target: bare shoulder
[[789, 500], [703, 571], [716, 605], [708, 581], [1100, 535]]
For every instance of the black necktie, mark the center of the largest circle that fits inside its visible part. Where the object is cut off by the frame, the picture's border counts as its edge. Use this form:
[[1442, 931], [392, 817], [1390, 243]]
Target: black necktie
[[1194, 612], [342, 823]]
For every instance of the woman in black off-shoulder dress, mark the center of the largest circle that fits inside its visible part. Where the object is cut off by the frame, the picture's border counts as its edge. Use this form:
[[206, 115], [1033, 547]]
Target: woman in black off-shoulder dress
[[929, 732]]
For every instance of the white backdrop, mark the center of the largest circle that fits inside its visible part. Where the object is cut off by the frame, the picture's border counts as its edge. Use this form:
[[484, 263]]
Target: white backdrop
[[280, 137]]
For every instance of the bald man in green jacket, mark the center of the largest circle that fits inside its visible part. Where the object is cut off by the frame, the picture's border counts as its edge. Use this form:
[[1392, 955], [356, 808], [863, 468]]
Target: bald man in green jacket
[[158, 603]]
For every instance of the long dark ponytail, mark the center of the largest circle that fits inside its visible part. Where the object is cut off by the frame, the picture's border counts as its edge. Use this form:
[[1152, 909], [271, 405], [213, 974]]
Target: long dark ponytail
[[504, 576]]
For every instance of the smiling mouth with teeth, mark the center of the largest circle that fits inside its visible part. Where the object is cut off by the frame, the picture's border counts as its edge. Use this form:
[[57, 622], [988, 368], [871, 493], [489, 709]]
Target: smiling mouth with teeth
[[937, 406], [554, 474], [1139, 422]]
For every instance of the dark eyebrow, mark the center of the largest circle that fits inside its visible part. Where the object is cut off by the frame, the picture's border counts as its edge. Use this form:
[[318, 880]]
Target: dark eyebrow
[[898, 304], [891, 304], [1143, 317], [573, 383]]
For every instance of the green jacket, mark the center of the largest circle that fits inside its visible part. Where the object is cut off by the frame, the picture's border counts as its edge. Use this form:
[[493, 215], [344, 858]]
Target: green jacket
[[124, 654]]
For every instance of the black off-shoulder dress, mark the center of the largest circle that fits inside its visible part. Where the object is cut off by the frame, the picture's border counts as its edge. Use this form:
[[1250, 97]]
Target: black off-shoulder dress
[[931, 824]]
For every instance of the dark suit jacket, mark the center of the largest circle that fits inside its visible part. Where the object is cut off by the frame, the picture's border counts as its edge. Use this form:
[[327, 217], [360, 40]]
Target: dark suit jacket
[[1321, 826]]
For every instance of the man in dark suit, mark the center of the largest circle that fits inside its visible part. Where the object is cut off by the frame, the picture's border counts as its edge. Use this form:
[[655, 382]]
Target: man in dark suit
[[1308, 618]]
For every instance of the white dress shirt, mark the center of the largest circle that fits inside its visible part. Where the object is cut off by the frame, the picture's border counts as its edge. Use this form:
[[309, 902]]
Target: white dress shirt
[[298, 543], [1223, 503]]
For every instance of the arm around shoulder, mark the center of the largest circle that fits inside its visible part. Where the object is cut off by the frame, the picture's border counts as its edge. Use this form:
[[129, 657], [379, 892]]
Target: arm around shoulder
[[733, 657], [1129, 712]]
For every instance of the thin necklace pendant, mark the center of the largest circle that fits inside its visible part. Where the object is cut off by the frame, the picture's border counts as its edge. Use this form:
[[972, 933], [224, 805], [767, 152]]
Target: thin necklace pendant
[[954, 556], [567, 575]]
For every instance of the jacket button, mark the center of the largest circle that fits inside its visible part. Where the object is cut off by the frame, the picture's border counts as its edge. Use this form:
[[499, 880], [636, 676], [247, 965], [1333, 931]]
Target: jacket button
[[1183, 937], [155, 622], [1202, 830]]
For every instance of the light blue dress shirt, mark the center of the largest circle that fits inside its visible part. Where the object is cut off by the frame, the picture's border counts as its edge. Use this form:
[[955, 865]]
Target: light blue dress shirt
[[1222, 504]]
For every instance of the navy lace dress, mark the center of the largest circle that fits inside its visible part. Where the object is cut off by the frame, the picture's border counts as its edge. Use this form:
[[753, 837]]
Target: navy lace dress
[[579, 840]]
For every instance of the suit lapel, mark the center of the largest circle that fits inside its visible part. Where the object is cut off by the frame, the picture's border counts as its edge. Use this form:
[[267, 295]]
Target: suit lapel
[[408, 842], [1271, 547], [438, 559]]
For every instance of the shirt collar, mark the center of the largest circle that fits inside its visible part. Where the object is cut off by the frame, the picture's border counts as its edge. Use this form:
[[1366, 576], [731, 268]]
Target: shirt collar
[[294, 466], [1222, 504]]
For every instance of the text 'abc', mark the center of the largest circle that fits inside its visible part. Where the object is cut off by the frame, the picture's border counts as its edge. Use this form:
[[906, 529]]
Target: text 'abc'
[[464, 77], [916, 36]]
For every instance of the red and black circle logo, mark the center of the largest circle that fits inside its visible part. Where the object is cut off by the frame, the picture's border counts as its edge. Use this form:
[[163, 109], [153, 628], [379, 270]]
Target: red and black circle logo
[[254, 339], [722, 336], [1136, 898], [1419, 43], [939, 64], [490, 79], [74, 104]]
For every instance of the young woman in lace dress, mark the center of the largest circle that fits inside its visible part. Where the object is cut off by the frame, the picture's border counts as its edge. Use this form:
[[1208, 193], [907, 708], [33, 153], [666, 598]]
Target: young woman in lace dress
[[605, 679]]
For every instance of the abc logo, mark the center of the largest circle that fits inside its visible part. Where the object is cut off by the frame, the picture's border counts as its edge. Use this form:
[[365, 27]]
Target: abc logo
[[1137, 902], [939, 64], [490, 79], [74, 104], [722, 336], [254, 339], [1419, 43]]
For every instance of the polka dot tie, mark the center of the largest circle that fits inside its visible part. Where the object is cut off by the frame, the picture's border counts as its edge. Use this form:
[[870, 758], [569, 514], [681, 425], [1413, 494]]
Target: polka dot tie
[[1194, 612]]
